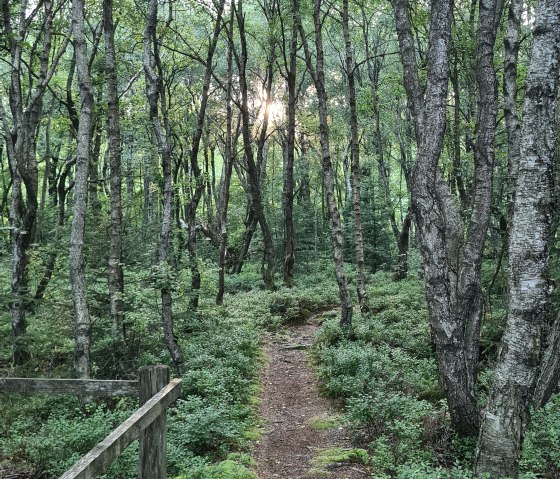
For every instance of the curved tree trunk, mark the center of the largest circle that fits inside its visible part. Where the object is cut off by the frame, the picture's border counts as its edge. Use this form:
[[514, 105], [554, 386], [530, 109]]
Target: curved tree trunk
[[195, 168], [515, 376], [451, 264], [252, 171]]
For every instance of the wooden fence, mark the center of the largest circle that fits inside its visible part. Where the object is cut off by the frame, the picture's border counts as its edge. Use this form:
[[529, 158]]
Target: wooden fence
[[148, 423]]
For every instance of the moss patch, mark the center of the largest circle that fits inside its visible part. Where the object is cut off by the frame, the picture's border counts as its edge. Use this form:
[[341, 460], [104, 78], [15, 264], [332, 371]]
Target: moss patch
[[323, 422]]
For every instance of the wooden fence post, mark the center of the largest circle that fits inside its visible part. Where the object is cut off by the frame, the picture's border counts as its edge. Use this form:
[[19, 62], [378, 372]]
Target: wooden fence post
[[153, 440]]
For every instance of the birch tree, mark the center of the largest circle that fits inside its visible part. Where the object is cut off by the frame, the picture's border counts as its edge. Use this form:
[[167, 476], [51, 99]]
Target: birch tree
[[527, 369]]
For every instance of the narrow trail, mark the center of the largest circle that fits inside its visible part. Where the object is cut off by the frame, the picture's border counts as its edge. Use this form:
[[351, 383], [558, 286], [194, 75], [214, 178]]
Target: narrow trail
[[292, 409]]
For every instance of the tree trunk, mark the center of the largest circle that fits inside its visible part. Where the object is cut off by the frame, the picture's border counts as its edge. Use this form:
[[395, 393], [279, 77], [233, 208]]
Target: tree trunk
[[253, 172], [82, 333], [195, 169], [355, 157], [156, 102], [289, 155], [318, 75], [507, 412], [20, 135], [451, 265], [223, 202], [115, 278]]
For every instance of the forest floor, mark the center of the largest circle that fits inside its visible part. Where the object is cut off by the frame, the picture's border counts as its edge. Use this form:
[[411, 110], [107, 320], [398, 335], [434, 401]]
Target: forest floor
[[302, 435]]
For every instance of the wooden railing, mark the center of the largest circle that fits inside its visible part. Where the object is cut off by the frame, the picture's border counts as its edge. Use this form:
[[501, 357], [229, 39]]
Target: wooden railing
[[148, 423]]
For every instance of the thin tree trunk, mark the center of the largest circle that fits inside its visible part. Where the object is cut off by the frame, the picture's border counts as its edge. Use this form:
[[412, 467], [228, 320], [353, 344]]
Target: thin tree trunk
[[318, 75], [61, 191], [93, 182], [254, 173], [115, 277], [288, 187], [355, 157], [227, 168], [507, 412], [195, 147], [156, 102]]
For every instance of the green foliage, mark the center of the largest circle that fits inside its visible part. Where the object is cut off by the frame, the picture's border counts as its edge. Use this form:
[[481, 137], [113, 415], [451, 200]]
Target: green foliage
[[65, 435], [387, 376], [541, 456], [235, 467]]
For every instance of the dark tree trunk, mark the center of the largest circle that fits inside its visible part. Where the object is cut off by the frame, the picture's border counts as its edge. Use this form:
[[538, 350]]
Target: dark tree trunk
[[289, 155], [116, 277], [61, 192], [355, 158], [318, 75], [223, 202], [253, 173], [517, 370], [195, 168], [157, 103], [93, 183]]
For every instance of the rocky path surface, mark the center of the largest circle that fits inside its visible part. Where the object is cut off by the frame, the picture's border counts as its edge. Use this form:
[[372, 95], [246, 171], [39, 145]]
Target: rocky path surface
[[295, 415]]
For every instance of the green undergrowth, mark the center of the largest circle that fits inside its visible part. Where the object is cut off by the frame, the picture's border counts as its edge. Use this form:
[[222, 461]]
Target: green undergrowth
[[386, 378], [211, 427], [213, 417]]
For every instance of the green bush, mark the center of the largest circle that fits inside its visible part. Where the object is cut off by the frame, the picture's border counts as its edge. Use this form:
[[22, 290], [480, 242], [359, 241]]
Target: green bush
[[66, 435]]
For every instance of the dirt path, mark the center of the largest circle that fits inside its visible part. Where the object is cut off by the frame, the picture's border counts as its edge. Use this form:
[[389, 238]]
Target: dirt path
[[295, 415]]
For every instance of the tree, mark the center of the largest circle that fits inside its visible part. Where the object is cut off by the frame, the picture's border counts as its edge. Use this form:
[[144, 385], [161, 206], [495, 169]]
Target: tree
[[355, 157], [82, 331], [451, 260], [20, 132], [157, 104], [193, 156], [253, 173], [227, 168], [116, 279], [290, 75], [527, 369], [318, 75]]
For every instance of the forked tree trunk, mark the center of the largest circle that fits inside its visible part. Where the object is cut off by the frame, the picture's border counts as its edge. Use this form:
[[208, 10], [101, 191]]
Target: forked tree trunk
[[253, 172], [451, 265], [517, 370], [20, 133], [195, 168]]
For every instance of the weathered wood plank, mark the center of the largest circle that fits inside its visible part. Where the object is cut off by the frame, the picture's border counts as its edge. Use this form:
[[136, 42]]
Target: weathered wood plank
[[96, 461], [153, 440], [79, 387]]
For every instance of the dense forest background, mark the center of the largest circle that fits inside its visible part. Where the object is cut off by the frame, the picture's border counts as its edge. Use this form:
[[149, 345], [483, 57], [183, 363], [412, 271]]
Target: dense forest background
[[178, 176]]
